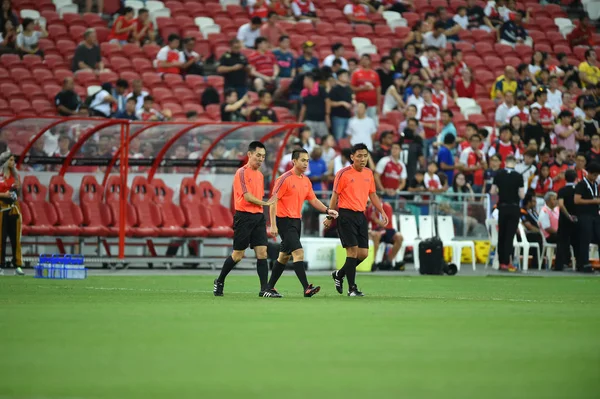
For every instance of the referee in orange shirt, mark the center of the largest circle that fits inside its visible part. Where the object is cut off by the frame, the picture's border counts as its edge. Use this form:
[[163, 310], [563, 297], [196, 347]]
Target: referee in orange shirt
[[291, 190], [249, 224], [352, 187]]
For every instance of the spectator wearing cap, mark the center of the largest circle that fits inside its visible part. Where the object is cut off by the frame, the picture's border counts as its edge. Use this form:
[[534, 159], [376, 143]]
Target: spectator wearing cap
[[123, 27], [337, 52], [144, 32], [465, 86], [504, 83], [271, 30], [589, 73], [339, 105], [263, 65], [367, 87], [313, 110], [258, 8], [362, 128], [436, 38], [102, 102], [520, 109], [357, 12], [263, 113], [386, 73], [233, 65], [67, 101], [541, 102], [583, 34], [169, 59], [307, 62], [304, 10], [87, 54], [566, 132], [393, 95], [512, 32], [285, 58], [249, 32], [477, 18], [192, 59]]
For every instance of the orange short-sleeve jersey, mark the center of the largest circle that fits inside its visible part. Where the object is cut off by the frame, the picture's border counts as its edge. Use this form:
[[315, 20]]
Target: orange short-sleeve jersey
[[248, 180], [291, 191], [353, 188]]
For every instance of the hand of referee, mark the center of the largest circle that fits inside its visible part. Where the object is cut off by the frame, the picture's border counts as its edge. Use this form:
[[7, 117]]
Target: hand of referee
[[333, 213], [273, 230]]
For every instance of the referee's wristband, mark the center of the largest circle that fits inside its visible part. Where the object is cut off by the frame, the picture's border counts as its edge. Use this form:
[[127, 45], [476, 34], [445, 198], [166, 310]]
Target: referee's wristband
[[327, 210]]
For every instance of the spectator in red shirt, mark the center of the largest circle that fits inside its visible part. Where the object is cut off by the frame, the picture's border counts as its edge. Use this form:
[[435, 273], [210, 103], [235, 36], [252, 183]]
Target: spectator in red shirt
[[144, 32], [357, 12], [366, 85], [583, 34], [271, 30], [429, 116], [258, 8], [464, 86], [263, 65], [558, 168], [169, 59], [123, 28], [282, 8]]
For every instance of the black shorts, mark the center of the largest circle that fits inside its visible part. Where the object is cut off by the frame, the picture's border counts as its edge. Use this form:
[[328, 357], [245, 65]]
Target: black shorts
[[289, 230], [388, 236], [249, 229], [353, 229]]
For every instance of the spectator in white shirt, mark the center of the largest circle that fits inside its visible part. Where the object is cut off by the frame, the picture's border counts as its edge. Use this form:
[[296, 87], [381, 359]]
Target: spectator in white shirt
[[555, 101], [361, 128], [102, 102], [502, 110], [338, 53], [169, 59], [248, 33], [436, 38], [416, 98], [461, 17], [137, 93]]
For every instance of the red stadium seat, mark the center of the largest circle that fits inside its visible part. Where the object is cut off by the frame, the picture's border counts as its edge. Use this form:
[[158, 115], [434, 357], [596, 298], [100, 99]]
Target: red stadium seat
[[65, 47], [19, 105], [10, 60], [484, 48], [112, 198], [73, 20], [20, 74], [93, 20], [172, 214], [102, 33], [197, 216], [363, 30], [85, 77], [129, 76], [43, 214], [173, 80], [142, 65], [132, 50], [68, 213], [26, 219], [325, 28], [221, 215], [32, 90], [148, 214], [62, 74], [185, 95], [76, 32], [120, 64], [54, 61], [561, 48], [152, 80], [343, 28], [96, 214], [31, 60]]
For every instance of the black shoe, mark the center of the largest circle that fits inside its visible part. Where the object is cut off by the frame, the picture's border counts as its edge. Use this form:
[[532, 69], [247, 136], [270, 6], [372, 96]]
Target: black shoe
[[399, 266], [585, 269], [354, 291], [374, 267], [218, 288], [311, 290], [272, 293], [339, 282]]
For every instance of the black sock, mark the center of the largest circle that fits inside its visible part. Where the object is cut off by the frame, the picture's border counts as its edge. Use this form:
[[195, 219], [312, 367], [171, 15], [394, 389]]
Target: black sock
[[301, 273], [262, 268], [350, 267], [227, 267], [277, 271]]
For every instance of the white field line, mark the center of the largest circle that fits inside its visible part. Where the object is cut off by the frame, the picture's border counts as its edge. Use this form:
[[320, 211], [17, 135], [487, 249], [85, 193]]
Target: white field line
[[459, 298]]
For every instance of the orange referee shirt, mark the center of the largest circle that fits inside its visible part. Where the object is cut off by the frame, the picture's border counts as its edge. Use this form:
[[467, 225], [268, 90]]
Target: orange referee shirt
[[292, 191], [353, 188], [248, 180]]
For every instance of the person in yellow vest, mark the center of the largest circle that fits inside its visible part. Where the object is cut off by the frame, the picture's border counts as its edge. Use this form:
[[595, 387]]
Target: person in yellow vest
[[589, 73], [10, 215], [548, 219], [504, 83]]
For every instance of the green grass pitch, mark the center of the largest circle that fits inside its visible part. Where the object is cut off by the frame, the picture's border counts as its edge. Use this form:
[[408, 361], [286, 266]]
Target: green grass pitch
[[410, 337]]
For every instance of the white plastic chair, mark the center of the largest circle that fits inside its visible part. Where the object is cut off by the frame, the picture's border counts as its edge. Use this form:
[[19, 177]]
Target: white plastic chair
[[361, 42], [446, 232], [475, 110], [91, 90], [464, 102], [33, 14], [210, 29], [408, 229], [492, 227], [152, 5], [163, 12], [135, 4], [226, 3], [560, 22], [426, 227], [397, 23], [372, 49], [548, 250], [321, 227], [524, 246], [68, 9], [593, 10], [59, 3], [203, 21], [391, 16]]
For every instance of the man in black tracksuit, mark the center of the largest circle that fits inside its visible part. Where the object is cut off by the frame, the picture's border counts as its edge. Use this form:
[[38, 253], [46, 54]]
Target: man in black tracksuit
[[567, 222], [587, 200], [508, 184]]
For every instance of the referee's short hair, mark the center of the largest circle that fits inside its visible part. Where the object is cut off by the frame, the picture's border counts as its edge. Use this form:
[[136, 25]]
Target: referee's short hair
[[254, 145], [296, 153], [594, 168], [570, 175], [358, 147]]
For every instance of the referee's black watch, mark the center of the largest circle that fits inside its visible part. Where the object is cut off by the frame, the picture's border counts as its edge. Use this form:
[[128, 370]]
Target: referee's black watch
[[327, 213]]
